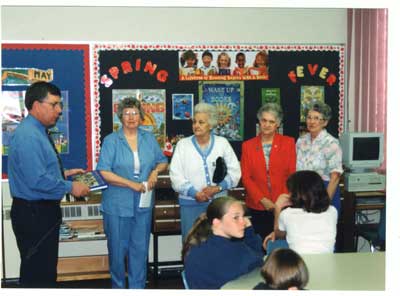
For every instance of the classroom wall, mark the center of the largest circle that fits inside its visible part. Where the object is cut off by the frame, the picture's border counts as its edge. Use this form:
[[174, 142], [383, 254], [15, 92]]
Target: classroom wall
[[176, 25], [149, 24]]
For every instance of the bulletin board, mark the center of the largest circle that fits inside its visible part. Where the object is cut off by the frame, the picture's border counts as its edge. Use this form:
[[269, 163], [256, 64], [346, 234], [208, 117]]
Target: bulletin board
[[65, 65], [288, 74]]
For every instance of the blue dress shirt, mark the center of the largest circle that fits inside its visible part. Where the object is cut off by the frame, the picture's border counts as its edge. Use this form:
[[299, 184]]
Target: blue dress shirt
[[33, 168]]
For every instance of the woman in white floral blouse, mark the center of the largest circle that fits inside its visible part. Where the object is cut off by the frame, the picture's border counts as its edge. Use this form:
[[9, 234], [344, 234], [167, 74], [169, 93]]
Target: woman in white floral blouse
[[319, 151]]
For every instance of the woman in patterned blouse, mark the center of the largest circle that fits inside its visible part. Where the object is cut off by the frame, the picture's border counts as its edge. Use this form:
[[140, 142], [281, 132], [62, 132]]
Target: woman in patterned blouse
[[319, 151]]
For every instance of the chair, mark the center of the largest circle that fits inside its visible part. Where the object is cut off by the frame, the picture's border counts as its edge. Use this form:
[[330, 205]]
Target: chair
[[373, 233], [185, 283], [278, 243]]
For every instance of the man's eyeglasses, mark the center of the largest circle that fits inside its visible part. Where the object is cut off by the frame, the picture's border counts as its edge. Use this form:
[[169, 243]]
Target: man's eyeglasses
[[127, 113], [54, 104]]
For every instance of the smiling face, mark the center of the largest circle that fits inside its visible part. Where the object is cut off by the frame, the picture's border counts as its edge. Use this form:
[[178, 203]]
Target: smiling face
[[223, 61], [232, 224], [200, 125], [240, 61], [315, 123], [130, 118], [268, 124], [260, 60], [207, 60]]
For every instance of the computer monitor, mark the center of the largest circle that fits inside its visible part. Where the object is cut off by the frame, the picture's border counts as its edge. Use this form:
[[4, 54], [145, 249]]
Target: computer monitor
[[362, 151]]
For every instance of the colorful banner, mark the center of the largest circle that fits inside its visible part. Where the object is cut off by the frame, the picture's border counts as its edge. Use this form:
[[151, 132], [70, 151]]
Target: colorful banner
[[228, 99]]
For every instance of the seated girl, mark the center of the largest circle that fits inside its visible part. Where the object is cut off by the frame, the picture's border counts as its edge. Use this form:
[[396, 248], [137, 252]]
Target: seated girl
[[283, 269], [305, 216], [221, 246]]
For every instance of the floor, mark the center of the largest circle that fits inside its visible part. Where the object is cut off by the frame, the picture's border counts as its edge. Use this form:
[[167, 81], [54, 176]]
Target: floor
[[170, 280]]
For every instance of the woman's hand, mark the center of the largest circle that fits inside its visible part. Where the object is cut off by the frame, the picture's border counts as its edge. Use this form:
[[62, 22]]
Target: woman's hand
[[268, 204], [283, 201], [152, 180], [201, 196], [139, 187], [269, 237], [210, 191]]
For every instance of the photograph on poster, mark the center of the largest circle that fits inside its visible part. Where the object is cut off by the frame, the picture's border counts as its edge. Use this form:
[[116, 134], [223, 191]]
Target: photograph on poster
[[153, 104], [182, 106], [228, 99], [223, 65], [13, 111]]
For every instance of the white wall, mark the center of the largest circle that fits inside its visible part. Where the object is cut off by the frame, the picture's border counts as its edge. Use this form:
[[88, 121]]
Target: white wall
[[149, 24]]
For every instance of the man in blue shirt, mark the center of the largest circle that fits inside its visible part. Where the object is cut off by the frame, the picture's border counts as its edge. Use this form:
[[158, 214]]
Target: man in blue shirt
[[37, 186]]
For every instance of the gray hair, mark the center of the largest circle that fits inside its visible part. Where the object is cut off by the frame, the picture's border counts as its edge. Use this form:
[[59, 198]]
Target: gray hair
[[130, 102], [320, 107], [210, 110], [274, 109]]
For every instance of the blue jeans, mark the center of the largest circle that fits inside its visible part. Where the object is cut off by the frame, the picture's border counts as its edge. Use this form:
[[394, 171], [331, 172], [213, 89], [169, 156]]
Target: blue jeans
[[128, 237], [189, 214]]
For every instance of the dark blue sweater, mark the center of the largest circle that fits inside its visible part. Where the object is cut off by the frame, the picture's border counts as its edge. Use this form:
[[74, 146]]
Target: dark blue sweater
[[219, 260]]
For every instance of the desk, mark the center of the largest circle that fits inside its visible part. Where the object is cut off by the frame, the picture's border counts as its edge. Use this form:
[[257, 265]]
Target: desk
[[339, 271], [349, 210]]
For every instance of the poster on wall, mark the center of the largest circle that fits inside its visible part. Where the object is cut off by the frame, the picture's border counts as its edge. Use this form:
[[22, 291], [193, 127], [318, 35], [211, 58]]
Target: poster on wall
[[227, 97], [153, 105], [66, 66], [310, 94], [270, 95], [182, 106], [192, 68], [223, 65]]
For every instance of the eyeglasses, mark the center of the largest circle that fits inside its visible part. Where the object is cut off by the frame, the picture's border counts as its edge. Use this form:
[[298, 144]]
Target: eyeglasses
[[127, 113], [314, 118], [54, 104]]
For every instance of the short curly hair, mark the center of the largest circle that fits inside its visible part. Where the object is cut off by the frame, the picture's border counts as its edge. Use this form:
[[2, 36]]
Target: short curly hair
[[210, 110], [320, 107], [130, 102]]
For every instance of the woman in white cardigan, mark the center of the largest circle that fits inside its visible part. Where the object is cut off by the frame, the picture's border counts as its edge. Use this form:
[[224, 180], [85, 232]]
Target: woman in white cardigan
[[193, 165]]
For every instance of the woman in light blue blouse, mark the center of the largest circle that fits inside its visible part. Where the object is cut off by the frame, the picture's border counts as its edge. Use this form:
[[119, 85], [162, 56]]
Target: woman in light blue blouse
[[319, 151], [130, 161]]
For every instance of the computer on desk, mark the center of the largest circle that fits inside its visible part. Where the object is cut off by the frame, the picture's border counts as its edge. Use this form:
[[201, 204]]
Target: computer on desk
[[362, 154]]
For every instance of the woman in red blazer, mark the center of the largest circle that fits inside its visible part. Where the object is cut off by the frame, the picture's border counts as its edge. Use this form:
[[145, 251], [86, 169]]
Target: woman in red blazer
[[267, 161]]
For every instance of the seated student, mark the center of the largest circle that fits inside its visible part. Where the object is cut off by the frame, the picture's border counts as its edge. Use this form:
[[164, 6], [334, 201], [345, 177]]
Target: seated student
[[305, 216], [284, 269], [221, 246]]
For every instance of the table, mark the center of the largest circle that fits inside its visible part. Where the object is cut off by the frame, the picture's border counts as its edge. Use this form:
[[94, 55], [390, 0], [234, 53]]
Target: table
[[338, 271]]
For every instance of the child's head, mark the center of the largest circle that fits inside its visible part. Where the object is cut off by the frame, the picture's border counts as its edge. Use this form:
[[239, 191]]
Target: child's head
[[308, 191], [189, 59], [240, 59], [224, 217], [261, 59], [284, 269], [207, 58], [224, 60]]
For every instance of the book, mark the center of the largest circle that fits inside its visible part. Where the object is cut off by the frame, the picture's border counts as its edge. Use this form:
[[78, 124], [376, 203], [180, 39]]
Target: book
[[93, 179]]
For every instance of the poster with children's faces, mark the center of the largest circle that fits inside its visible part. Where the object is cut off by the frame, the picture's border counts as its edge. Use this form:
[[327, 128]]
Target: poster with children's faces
[[223, 65]]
